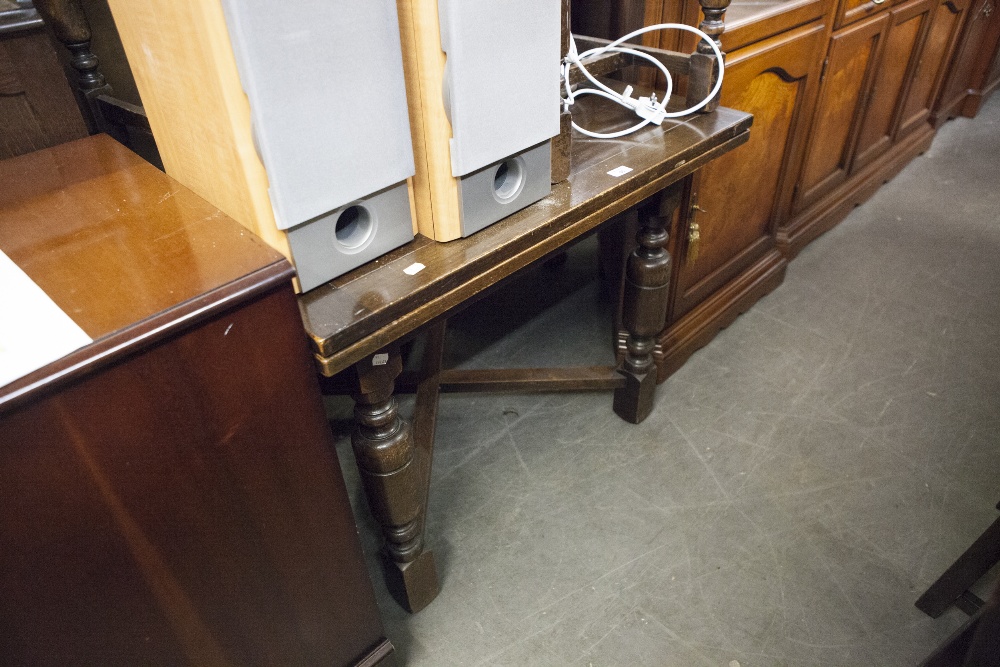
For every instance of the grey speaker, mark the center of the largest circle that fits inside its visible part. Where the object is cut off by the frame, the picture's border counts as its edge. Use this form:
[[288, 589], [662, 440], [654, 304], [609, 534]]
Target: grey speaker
[[501, 93], [324, 79]]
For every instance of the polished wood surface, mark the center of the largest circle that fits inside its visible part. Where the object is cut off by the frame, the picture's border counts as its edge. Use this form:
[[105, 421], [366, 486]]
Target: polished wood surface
[[144, 242], [850, 70], [644, 303], [908, 26], [184, 507], [749, 22], [851, 11], [933, 65], [827, 212], [776, 81], [362, 311], [185, 70], [837, 113], [356, 321], [975, 71], [171, 492], [871, 116]]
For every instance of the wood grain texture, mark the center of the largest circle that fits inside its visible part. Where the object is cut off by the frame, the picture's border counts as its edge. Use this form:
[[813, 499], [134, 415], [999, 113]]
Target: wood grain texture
[[184, 507], [644, 302], [903, 49], [171, 491], [185, 70], [37, 107], [585, 378], [700, 325], [747, 23], [850, 71], [808, 223], [851, 11], [939, 46], [66, 18], [861, 134], [366, 309], [775, 80], [435, 190], [145, 243], [975, 71]]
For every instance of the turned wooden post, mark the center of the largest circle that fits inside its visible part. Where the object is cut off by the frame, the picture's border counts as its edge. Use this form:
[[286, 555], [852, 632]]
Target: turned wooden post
[[70, 26], [392, 472], [704, 69], [644, 304]]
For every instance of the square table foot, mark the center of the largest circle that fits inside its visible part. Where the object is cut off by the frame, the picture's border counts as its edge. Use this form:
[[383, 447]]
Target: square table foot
[[634, 401], [413, 585]]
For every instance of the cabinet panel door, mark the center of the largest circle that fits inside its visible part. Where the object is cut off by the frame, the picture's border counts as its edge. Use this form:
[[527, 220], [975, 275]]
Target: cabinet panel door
[[932, 64], [907, 26], [969, 52], [740, 193], [846, 83]]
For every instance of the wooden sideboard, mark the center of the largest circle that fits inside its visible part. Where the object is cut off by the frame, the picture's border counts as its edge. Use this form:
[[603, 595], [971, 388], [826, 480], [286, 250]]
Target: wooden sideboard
[[844, 94], [882, 71], [170, 492]]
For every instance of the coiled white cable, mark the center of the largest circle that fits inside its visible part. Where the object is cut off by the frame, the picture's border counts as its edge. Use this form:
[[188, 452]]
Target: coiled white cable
[[650, 109]]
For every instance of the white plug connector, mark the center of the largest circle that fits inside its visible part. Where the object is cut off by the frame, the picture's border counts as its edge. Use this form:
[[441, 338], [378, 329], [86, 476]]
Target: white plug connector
[[646, 108], [649, 109]]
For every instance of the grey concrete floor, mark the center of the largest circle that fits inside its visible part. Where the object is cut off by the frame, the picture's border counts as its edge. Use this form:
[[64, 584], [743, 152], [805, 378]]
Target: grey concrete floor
[[800, 482]]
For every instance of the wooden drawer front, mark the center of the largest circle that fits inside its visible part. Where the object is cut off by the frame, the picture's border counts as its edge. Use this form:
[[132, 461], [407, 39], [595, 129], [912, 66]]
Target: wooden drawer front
[[847, 80], [850, 11], [750, 21], [740, 193], [907, 27], [932, 64]]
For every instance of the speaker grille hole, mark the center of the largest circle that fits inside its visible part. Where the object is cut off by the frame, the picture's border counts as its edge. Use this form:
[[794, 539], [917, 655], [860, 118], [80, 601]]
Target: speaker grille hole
[[354, 227], [508, 180]]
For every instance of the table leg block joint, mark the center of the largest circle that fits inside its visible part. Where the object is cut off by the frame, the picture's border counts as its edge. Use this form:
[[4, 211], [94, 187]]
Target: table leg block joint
[[413, 585], [634, 401]]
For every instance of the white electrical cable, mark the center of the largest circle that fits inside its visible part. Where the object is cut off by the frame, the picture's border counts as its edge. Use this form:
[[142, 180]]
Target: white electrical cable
[[649, 108]]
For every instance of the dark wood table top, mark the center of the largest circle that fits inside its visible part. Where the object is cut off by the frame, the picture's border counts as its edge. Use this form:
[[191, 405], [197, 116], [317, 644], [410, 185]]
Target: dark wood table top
[[366, 309], [127, 252]]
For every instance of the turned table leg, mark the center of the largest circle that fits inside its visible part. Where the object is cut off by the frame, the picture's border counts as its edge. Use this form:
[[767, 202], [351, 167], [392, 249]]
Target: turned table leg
[[644, 304], [392, 472]]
